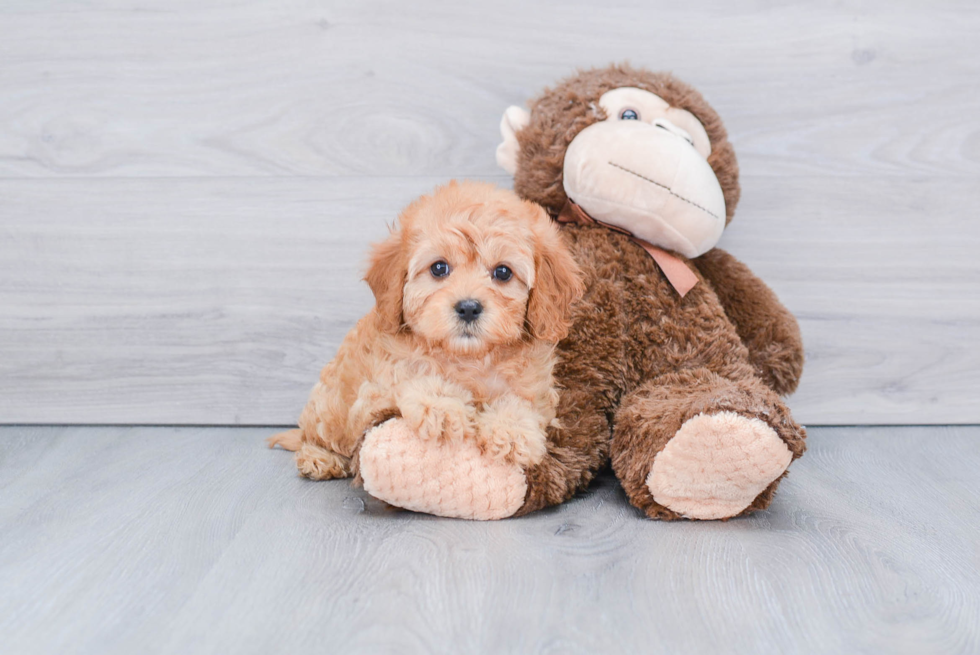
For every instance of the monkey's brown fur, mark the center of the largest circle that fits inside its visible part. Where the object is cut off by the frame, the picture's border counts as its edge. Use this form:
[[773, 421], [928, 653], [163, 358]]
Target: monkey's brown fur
[[640, 360]]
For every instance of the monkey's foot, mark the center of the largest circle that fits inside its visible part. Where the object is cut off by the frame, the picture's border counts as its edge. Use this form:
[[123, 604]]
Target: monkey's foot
[[452, 479], [716, 465]]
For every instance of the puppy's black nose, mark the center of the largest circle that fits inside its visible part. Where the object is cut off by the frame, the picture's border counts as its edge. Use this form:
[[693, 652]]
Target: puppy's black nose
[[469, 310]]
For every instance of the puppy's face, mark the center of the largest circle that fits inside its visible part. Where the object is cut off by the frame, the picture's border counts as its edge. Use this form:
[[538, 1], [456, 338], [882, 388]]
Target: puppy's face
[[478, 268], [469, 278]]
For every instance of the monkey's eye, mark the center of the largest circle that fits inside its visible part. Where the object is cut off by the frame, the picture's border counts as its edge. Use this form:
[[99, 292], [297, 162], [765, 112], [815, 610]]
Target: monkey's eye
[[502, 273], [629, 115], [439, 269]]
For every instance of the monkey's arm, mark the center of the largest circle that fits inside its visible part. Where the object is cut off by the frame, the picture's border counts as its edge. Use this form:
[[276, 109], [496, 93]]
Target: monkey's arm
[[766, 327]]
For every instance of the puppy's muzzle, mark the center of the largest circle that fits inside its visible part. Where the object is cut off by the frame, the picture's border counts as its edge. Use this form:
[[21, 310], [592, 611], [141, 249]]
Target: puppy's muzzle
[[468, 310]]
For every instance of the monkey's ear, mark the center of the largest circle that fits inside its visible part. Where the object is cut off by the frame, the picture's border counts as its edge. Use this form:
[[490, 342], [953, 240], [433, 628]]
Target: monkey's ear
[[515, 119]]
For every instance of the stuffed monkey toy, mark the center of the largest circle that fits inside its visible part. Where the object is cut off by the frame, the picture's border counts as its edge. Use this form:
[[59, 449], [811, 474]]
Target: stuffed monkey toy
[[677, 355]]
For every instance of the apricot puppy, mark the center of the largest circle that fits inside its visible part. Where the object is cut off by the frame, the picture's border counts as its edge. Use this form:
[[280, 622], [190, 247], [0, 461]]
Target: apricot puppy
[[472, 290]]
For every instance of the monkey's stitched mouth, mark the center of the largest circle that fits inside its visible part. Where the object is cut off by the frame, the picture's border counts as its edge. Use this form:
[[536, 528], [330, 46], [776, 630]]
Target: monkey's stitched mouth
[[665, 188]]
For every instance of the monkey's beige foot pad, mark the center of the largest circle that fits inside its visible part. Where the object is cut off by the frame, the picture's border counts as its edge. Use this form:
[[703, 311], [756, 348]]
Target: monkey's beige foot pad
[[716, 465], [445, 479]]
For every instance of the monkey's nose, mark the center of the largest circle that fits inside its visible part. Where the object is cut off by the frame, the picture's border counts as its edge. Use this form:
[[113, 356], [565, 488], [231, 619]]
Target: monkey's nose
[[469, 310], [665, 124]]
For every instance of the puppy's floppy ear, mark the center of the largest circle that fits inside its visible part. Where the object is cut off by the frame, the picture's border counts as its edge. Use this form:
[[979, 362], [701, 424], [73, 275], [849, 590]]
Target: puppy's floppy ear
[[557, 285], [386, 276]]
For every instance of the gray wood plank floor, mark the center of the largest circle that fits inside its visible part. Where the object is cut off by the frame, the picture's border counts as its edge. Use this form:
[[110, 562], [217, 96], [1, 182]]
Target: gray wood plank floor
[[199, 540]]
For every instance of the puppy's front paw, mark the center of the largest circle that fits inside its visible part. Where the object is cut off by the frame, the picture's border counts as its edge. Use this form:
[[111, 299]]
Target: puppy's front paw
[[440, 418], [375, 404], [432, 409], [509, 429]]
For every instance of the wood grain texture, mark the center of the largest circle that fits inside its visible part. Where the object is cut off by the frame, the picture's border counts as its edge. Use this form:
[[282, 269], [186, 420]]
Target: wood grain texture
[[249, 87], [191, 540], [217, 301], [186, 192]]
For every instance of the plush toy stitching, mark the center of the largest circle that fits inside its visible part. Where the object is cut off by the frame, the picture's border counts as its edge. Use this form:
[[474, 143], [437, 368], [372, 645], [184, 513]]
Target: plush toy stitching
[[667, 188]]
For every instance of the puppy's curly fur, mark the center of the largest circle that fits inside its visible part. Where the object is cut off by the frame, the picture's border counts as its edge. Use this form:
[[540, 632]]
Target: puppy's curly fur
[[481, 371]]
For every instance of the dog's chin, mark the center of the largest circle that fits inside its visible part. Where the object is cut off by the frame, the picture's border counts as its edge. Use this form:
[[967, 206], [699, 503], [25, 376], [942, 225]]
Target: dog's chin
[[466, 342], [466, 339]]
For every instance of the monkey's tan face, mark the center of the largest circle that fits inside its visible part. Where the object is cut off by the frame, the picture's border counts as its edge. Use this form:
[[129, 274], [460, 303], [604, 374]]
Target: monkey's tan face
[[468, 282], [644, 169]]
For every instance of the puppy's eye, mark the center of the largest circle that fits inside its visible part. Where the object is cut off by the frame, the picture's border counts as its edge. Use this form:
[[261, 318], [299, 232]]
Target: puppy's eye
[[502, 273], [439, 269], [629, 115]]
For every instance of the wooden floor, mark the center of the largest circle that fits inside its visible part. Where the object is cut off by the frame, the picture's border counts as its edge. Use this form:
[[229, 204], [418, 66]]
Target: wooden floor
[[199, 540]]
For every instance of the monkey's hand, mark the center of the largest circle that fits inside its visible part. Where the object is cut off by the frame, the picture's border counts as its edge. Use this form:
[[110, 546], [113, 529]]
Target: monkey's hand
[[766, 327]]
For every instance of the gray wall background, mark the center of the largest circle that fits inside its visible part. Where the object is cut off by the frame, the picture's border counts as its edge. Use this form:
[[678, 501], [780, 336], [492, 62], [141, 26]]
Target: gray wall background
[[187, 189]]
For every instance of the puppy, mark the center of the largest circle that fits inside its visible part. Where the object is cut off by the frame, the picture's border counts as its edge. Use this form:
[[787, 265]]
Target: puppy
[[472, 290]]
